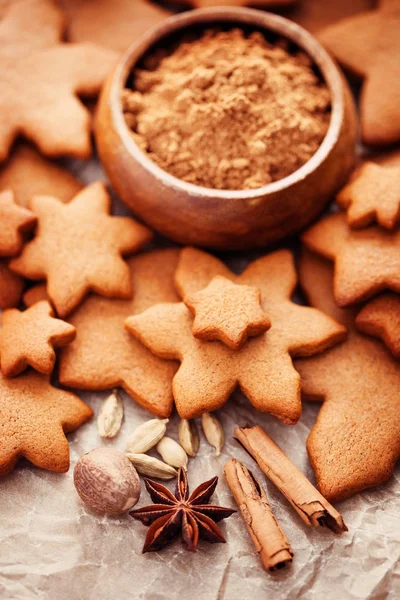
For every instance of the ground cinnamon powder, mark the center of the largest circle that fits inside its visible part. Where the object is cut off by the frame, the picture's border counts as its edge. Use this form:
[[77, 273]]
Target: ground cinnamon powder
[[228, 110]]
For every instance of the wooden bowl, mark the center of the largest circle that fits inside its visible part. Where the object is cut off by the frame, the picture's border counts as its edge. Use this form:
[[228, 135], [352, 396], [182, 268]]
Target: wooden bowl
[[221, 219]]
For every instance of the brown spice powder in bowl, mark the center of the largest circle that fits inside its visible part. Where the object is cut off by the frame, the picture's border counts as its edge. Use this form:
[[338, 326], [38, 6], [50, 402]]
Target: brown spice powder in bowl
[[227, 110]]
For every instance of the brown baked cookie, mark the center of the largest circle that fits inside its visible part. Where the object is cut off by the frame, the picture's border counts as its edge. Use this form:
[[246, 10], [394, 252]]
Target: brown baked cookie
[[381, 318], [315, 14], [211, 3], [34, 294], [29, 338], [11, 287], [372, 196], [367, 44], [228, 312], [41, 78], [366, 261], [34, 417], [116, 24], [263, 368], [355, 442], [14, 221], [104, 355], [79, 247], [29, 174]]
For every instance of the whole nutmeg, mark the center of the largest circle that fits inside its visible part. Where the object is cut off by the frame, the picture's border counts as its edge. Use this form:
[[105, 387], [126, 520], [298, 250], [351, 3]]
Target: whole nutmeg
[[107, 481]]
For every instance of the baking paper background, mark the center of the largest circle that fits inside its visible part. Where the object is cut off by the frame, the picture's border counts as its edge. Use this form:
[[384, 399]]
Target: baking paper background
[[53, 548]]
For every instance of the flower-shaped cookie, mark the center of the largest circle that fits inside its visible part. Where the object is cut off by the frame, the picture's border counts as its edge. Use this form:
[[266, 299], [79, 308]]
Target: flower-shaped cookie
[[28, 339], [355, 442], [381, 318], [14, 221], [41, 78], [105, 356], [228, 312], [367, 261], [34, 417], [373, 195], [263, 368], [79, 247]]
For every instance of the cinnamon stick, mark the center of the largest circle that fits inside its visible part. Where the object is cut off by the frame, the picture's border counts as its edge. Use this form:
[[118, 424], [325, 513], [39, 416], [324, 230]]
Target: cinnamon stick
[[312, 507], [268, 538]]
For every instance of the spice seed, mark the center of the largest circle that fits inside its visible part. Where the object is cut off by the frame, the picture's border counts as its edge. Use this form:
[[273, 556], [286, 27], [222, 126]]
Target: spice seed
[[110, 416], [146, 436], [189, 437], [213, 431], [151, 467], [172, 453]]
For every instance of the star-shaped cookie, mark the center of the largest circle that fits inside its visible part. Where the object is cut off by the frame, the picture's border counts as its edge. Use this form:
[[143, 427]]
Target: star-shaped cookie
[[373, 195], [79, 247], [228, 312], [116, 24], [14, 221], [34, 417], [11, 287], [41, 79], [29, 174], [263, 368], [355, 442], [381, 318], [367, 44], [367, 261], [29, 338], [104, 355]]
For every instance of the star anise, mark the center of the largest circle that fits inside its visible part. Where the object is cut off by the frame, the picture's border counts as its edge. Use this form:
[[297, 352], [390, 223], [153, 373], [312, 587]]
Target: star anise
[[171, 513]]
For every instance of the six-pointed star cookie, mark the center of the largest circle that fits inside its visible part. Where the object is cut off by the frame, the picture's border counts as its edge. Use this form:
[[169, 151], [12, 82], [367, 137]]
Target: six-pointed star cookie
[[228, 312], [367, 261], [263, 368], [355, 442], [115, 24], [28, 339], [40, 80], [78, 247], [373, 195], [11, 287], [14, 221], [29, 174], [367, 44], [381, 318], [104, 355], [34, 417]]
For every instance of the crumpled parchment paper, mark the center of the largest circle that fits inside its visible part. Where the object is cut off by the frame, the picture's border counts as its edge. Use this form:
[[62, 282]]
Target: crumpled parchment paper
[[53, 548]]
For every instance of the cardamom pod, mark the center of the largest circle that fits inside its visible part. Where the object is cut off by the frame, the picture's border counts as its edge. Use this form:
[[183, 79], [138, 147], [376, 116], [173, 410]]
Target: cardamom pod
[[110, 416], [213, 431], [146, 436], [151, 467], [188, 437], [172, 453]]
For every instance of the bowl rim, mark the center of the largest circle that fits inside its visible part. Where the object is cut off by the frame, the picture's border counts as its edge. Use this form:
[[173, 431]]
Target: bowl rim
[[241, 16]]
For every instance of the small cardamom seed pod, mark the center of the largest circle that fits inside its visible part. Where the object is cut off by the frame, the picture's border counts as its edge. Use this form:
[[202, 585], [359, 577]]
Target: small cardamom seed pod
[[110, 416], [146, 436], [213, 431], [172, 453], [188, 437], [151, 467]]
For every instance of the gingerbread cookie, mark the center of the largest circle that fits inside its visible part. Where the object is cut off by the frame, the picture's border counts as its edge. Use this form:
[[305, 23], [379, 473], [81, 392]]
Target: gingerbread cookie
[[28, 339], [29, 174], [11, 287], [355, 442], [14, 221], [116, 24], [366, 262], [367, 44], [210, 371], [372, 196], [34, 417], [34, 294], [104, 355], [79, 247], [314, 14], [41, 78], [228, 312], [381, 318]]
